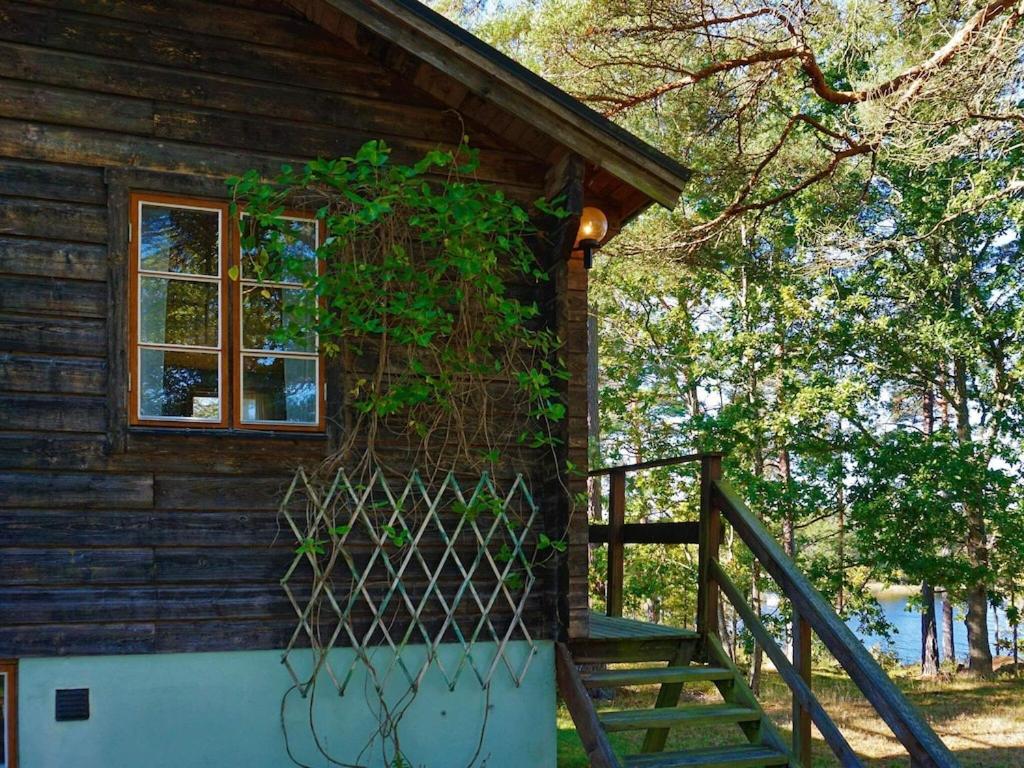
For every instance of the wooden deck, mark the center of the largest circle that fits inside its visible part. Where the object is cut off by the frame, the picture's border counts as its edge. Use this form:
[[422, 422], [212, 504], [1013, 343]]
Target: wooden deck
[[608, 628]]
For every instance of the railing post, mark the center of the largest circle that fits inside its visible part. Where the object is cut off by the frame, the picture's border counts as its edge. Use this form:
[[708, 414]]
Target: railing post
[[616, 547], [801, 716], [710, 538]]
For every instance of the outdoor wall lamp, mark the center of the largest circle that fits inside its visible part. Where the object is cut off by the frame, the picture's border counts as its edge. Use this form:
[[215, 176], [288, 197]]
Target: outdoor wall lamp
[[593, 228]]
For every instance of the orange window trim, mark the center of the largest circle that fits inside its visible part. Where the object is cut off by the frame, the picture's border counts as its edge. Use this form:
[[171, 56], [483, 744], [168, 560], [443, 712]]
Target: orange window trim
[[229, 323], [10, 671]]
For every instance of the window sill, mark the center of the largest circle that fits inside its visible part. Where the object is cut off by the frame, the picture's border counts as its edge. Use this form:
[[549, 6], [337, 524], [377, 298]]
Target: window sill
[[228, 433]]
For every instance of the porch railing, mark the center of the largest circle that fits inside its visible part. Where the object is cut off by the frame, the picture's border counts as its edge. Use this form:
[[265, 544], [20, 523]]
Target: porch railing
[[617, 533], [810, 612]]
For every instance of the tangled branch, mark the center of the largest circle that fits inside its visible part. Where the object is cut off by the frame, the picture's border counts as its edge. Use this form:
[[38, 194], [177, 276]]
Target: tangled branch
[[802, 90]]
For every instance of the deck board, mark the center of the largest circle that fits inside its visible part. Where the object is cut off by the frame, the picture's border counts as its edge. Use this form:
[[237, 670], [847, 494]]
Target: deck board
[[612, 628]]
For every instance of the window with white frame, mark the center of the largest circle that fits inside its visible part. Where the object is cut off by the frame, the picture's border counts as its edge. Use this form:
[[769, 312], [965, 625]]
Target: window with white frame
[[205, 349]]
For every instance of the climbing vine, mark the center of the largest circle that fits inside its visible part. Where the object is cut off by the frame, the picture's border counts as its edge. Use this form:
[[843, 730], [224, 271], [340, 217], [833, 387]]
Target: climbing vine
[[420, 293]]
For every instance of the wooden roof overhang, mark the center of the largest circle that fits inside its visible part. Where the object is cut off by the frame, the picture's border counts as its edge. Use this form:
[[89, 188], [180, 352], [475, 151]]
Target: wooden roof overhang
[[623, 175]]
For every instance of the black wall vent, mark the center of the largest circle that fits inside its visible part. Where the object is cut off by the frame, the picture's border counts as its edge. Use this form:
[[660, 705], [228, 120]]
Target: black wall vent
[[73, 704]]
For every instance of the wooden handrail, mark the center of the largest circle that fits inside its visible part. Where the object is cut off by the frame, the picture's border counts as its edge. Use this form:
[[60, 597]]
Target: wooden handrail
[[924, 746], [577, 701], [617, 533], [801, 690], [653, 464]]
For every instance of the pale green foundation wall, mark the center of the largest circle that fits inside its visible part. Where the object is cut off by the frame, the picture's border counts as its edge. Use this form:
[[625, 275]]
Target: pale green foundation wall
[[224, 710]]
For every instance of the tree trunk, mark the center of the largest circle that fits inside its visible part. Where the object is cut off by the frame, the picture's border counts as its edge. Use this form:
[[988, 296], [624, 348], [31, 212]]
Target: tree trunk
[[979, 658], [929, 632], [995, 617], [948, 646], [1016, 651], [723, 632], [979, 654]]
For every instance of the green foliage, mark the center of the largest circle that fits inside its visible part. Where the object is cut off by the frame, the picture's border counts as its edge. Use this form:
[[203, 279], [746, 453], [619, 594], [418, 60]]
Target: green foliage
[[909, 502], [413, 272]]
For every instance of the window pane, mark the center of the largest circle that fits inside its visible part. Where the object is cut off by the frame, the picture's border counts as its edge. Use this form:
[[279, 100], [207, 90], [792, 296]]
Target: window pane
[[178, 312], [266, 311], [179, 240], [279, 389], [179, 384], [299, 262]]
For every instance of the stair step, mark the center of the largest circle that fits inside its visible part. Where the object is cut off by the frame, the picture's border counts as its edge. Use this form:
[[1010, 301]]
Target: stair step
[[746, 756], [615, 678], [666, 717], [592, 650]]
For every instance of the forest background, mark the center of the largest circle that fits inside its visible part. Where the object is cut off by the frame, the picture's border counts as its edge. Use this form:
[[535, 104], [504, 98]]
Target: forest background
[[837, 301]]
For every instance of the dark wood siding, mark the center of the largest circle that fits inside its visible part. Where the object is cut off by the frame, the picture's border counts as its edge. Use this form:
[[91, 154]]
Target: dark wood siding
[[122, 541]]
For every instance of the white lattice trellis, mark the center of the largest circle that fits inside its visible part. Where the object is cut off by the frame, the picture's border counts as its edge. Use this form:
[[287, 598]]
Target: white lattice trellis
[[356, 538]]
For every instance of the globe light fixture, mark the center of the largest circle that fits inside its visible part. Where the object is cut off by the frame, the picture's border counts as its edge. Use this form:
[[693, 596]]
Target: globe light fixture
[[593, 229]]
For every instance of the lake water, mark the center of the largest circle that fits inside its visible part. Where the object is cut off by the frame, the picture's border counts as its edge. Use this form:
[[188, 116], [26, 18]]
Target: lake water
[[906, 640]]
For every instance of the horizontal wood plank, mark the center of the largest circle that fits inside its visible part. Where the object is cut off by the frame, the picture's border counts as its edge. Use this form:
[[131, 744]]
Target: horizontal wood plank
[[74, 489], [43, 180], [53, 413], [46, 335], [666, 717], [62, 144], [51, 258], [107, 37], [51, 296], [51, 566], [212, 19], [219, 491], [52, 451], [63, 639], [74, 107], [53, 220], [738, 756], [52, 375], [78, 605], [352, 102], [35, 527]]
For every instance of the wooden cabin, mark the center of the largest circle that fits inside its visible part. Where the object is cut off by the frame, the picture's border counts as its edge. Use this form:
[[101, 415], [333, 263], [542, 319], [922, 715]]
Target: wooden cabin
[[142, 616]]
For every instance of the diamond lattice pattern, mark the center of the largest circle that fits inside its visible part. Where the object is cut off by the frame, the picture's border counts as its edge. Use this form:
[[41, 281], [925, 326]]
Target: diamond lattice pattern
[[381, 565]]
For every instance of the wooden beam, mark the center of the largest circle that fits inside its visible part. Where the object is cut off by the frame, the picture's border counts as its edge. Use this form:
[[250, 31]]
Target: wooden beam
[[616, 549], [736, 691], [801, 715], [710, 538], [668, 696], [649, 533], [668, 462]]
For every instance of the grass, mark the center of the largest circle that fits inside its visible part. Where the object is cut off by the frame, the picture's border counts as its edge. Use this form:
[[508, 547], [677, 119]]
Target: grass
[[981, 721]]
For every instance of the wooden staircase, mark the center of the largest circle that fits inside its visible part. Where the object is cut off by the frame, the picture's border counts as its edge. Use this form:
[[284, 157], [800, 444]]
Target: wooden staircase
[[667, 658], [671, 658]]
